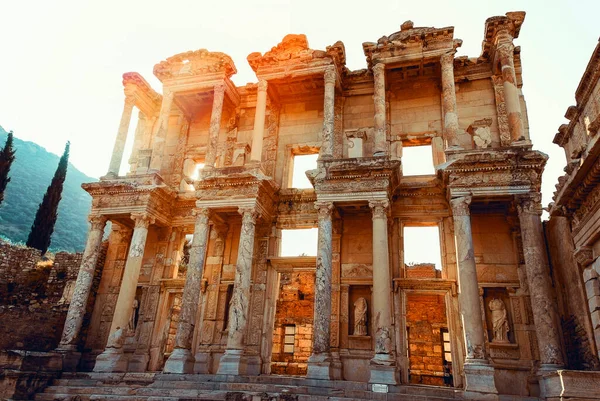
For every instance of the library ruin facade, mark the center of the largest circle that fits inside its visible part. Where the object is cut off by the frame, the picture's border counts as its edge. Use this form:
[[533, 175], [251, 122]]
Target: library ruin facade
[[214, 162]]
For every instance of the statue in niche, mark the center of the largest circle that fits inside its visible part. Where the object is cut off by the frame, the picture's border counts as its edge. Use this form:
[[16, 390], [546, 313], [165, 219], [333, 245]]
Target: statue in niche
[[360, 317], [132, 318], [499, 321]]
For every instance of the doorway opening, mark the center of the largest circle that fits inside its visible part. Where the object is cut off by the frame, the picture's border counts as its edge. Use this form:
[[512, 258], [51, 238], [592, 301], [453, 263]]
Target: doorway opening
[[429, 344]]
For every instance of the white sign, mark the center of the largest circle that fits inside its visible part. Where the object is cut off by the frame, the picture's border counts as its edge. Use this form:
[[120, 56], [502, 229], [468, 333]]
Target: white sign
[[379, 388]]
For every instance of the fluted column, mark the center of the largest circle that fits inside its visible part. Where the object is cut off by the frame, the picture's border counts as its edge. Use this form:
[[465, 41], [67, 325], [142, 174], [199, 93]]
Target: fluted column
[[215, 125], [111, 359], [449, 108], [85, 277], [328, 112], [380, 139], [540, 287], [382, 364], [160, 130], [479, 375], [319, 363], [259, 121], [182, 359], [511, 92], [119, 147], [231, 362]]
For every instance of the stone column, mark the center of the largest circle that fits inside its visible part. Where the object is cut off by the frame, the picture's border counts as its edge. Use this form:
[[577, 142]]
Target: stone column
[[112, 359], [215, 125], [181, 359], [380, 139], [382, 364], [117, 155], [319, 363], [479, 375], [545, 316], [328, 113], [259, 121], [449, 108], [85, 277], [160, 130], [231, 362], [505, 53]]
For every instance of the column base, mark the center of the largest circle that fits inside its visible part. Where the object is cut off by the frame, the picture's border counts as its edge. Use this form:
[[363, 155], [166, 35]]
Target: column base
[[336, 366], [479, 381], [253, 365], [138, 362], [70, 357], [383, 370], [319, 367], [111, 360], [232, 363], [203, 362], [180, 361]]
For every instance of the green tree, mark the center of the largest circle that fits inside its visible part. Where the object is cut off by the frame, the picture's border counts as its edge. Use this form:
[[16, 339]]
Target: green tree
[[7, 156], [43, 225]]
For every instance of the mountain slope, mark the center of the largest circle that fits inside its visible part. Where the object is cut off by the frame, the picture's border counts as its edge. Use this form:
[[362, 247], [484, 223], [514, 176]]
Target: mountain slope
[[31, 173]]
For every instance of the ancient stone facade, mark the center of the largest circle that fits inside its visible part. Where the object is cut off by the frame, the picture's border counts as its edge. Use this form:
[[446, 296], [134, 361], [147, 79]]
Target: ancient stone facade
[[573, 231], [216, 161]]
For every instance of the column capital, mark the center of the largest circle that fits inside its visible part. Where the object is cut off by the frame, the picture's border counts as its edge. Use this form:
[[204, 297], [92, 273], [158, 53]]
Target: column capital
[[447, 59], [142, 220], [219, 88], [97, 221], [584, 255], [262, 85], [380, 208], [324, 209], [460, 206], [505, 51], [249, 214], [202, 214], [168, 94], [378, 68], [129, 100], [330, 74], [529, 204]]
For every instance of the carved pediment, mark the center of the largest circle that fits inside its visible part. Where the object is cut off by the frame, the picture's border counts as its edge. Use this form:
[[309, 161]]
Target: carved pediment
[[146, 98], [193, 63]]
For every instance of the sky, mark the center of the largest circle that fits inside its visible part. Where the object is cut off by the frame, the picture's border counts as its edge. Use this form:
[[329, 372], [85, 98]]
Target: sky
[[62, 61]]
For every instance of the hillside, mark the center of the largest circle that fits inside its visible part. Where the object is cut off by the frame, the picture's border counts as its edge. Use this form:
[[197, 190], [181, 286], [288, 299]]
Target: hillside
[[31, 174]]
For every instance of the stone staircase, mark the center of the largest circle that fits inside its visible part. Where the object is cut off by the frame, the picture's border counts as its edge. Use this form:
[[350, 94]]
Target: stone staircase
[[164, 387]]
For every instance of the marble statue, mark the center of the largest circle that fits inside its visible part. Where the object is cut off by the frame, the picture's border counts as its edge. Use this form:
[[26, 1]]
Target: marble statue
[[360, 317], [499, 321]]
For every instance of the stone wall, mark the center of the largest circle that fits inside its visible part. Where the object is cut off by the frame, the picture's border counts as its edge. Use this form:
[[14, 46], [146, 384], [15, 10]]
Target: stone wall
[[294, 308], [34, 297]]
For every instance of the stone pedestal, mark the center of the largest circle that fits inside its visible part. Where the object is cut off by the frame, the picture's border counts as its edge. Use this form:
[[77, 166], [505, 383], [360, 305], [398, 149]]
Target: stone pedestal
[[138, 362], [181, 359], [540, 287], [232, 361], [380, 139], [215, 125], [479, 375], [259, 121], [119, 147], [319, 363], [81, 293], [113, 358]]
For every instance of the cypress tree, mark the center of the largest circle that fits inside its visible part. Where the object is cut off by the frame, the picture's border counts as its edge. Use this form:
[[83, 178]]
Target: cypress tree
[[45, 218], [7, 156]]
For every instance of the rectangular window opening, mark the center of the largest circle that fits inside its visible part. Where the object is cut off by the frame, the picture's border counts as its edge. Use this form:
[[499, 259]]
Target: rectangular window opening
[[299, 242], [289, 339], [302, 163], [417, 160], [422, 251]]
